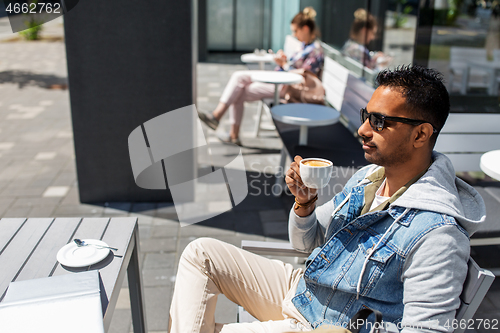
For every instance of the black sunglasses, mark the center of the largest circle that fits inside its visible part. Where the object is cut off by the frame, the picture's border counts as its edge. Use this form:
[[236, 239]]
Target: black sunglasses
[[377, 120]]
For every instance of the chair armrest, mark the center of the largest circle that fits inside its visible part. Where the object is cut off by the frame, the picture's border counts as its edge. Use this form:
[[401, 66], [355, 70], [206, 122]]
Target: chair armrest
[[272, 248]]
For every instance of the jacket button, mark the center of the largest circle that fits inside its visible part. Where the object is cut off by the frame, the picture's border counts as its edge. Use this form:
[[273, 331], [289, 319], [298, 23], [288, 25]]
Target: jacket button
[[308, 294]]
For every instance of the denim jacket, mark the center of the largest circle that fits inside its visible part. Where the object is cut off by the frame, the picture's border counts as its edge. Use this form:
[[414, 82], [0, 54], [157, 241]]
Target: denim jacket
[[398, 261]]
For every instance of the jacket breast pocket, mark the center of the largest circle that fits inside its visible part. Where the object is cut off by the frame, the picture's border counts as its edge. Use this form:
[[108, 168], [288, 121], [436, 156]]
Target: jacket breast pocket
[[378, 264]]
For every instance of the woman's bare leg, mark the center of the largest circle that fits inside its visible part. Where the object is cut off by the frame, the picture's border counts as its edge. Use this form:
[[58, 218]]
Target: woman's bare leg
[[235, 131], [220, 110]]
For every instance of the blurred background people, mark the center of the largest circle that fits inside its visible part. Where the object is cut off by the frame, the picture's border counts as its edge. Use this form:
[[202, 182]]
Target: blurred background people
[[363, 31], [240, 87]]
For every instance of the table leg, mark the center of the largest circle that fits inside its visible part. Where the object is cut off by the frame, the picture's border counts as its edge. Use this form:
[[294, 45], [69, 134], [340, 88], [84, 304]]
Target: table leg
[[135, 290], [303, 135], [261, 65], [276, 95], [465, 80], [259, 118]]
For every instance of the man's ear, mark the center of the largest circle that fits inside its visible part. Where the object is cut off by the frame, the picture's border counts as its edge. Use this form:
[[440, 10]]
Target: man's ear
[[423, 134]]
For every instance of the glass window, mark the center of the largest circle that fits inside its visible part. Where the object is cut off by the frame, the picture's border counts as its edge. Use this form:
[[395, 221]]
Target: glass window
[[238, 25], [465, 47], [369, 35], [220, 25]]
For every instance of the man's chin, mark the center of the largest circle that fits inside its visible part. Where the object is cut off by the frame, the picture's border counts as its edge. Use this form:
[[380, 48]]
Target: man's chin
[[370, 158]]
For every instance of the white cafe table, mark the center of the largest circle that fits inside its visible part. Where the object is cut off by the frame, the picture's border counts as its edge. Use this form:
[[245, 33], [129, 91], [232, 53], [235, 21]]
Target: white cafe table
[[277, 78], [261, 59], [28, 249], [490, 164], [493, 69], [305, 115]]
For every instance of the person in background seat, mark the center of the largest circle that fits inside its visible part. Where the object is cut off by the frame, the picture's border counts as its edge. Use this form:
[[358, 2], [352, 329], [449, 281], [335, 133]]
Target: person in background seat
[[363, 31], [240, 87]]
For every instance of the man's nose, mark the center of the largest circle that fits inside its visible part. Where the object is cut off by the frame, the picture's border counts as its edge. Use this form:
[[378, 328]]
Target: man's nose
[[365, 130]]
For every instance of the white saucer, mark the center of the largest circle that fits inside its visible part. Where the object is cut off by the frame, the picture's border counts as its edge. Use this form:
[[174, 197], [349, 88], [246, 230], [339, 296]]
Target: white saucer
[[72, 255]]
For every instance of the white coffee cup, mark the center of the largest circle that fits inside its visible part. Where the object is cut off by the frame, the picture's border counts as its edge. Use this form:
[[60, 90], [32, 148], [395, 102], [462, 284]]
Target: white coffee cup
[[315, 172]]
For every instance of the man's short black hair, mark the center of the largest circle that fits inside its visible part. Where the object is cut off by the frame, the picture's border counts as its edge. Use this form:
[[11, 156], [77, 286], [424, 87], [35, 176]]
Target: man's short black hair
[[426, 96]]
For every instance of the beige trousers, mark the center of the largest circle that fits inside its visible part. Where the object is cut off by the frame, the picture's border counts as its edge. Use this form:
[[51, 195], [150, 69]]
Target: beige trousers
[[240, 89], [264, 287]]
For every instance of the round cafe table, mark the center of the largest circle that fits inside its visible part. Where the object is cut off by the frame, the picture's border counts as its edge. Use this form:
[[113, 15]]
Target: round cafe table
[[490, 164], [276, 77], [305, 115], [261, 59]]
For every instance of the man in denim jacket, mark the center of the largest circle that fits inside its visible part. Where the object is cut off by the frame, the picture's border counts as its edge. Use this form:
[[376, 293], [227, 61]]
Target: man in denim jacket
[[396, 239]]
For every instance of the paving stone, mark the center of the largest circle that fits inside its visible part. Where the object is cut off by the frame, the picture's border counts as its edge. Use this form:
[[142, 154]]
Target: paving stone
[[158, 245], [33, 201], [42, 211], [23, 192], [17, 212], [225, 310], [72, 197], [165, 231], [144, 231], [56, 191], [159, 260], [158, 277], [42, 182], [64, 179], [121, 322], [197, 230], [143, 219], [157, 307], [78, 211]]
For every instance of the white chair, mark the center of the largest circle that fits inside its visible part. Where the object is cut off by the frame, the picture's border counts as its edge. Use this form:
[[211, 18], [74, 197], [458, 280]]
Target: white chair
[[458, 64], [477, 282]]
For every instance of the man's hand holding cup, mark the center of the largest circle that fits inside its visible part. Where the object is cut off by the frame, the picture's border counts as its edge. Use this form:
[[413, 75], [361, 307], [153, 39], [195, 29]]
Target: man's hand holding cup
[[304, 178]]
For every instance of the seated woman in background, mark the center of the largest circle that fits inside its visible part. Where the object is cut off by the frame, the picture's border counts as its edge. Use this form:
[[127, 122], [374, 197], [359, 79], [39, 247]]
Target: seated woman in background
[[240, 87], [363, 31]]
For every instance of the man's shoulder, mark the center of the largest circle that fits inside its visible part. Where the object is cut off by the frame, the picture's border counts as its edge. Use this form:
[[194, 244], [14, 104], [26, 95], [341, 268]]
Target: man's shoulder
[[363, 173]]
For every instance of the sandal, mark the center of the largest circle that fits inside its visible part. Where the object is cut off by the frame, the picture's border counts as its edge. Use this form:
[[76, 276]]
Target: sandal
[[209, 120]]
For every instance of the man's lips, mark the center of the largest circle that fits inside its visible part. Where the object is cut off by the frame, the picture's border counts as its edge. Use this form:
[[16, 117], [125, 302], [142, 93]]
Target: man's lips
[[368, 145]]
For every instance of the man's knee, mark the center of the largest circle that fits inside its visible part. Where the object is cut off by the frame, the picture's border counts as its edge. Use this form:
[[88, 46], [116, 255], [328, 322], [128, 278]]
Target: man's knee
[[199, 249]]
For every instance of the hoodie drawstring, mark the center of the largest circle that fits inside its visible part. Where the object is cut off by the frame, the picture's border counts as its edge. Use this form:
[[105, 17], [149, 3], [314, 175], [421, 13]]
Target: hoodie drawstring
[[373, 249]]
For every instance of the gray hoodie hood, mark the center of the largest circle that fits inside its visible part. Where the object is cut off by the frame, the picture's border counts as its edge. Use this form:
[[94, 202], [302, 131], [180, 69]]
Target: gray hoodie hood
[[440, 191]]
